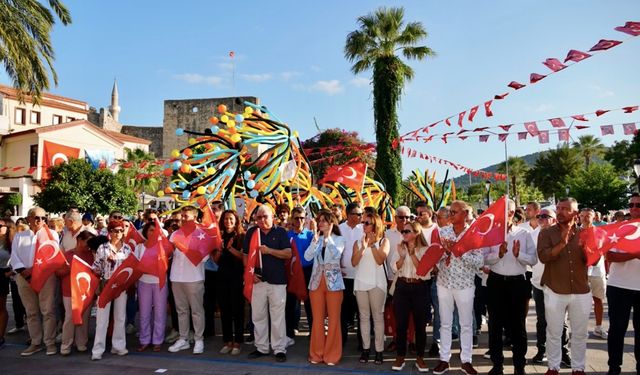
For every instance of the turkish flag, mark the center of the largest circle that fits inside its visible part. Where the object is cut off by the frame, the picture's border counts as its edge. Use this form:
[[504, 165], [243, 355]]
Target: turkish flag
[[557, 122], [487, 230], [604, 45], [500, 97], [606, 129], [580, 127], [434, 253], [484, 138], [505, 127], [630, 109], [535, 77], [193, 241], [576, 56], [554, 64], [210, 226], [516, 85], [503, 137], [253, 260], [351, 175], [631, 28], [47, 259], [122, 278], [543, 136], [629, 129], [83, 288], [532, 128], [461, 117], [155, 261], [54, 154], [601, 112], [623, 236], [296, 284], [133, 237], [563, 135], [472, 113], [487, 108], [579, 118], [446, 121], [522, 136]]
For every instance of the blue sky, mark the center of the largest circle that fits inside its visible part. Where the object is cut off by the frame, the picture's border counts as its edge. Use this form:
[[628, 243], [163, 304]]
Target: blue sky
[[290, 54]]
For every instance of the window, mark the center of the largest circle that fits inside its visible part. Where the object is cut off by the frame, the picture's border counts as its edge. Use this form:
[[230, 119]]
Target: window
[[35, 117], [57, 119], [69, 119], [33, 156], [21, 116]]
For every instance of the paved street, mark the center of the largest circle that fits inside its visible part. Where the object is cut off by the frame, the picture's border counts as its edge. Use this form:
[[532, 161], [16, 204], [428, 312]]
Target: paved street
[[213, 363]]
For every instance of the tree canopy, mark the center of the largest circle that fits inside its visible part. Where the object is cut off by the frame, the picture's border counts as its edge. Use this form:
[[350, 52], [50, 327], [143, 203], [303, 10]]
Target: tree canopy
[[598, 187]]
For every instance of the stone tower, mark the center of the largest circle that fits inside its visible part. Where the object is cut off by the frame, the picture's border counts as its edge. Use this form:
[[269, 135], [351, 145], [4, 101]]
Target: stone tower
[[114, 108]]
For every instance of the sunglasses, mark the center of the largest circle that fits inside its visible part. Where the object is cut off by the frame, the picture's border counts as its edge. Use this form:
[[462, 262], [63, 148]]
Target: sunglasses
[[40, 218], [367, 223], [299, 218], [359, 214], [634, 205], [406, 231], [403, 217], [117, 217], [175, 227], [543, 216], [261, 217], [117, 230]]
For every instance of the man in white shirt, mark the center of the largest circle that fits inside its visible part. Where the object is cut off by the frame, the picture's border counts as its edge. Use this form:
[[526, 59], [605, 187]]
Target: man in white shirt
[[72, 227], [623, 294], [508, 292], [351, 231], [38, 305]]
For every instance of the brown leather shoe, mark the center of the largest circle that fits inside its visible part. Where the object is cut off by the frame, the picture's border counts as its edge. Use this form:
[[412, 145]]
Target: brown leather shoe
[[421, 365], [441, 368], [468, 369], [398, 364]]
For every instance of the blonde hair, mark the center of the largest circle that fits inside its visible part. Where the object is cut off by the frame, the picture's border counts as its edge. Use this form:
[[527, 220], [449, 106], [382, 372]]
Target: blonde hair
[[378, 226], [57, 222], [420, 241]]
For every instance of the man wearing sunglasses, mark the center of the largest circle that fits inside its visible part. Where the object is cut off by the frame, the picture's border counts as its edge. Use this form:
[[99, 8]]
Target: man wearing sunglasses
[[623, 294], [38, 305], [508, 292], [352, 231], [114, 215]]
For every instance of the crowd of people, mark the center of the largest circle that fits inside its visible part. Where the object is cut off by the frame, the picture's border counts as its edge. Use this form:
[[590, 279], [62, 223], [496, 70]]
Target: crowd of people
[[361, 274]]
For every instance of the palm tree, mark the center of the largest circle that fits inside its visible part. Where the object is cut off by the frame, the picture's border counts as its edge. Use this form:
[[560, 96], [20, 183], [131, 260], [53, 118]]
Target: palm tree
[[517, 170], [140, 171], [25, 45], [589, 146], [374, 45]]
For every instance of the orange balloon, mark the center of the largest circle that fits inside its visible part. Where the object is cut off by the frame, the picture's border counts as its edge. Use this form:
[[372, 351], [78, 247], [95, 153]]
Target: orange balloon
[[185, 168], [202, 201], [168, 190], [167, 172], [188, 152], [232, 130], [222, 108], [214, 120]]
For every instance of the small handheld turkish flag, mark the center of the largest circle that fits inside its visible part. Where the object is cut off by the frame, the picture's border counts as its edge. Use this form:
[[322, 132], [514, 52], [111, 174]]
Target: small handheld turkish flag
[[487, 230], [252, 262], [48, 258], [122, 278], [296, 283], [83, 288], [623, 236]]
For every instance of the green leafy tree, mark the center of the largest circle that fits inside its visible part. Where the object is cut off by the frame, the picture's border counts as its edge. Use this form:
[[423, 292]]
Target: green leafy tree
[[517, 172], [12, 201], [552, 168], [91, 190], [622, 155], [26, 50], [140, 171], [598, 187], [381, 36], [589, 146]]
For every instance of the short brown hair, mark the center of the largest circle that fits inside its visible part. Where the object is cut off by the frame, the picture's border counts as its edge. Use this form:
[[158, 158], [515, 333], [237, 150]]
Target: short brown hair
[[378, 226]]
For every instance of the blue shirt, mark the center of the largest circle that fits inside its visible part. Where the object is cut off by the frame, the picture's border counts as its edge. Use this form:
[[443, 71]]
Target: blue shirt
[[273, 269], [302, 240]]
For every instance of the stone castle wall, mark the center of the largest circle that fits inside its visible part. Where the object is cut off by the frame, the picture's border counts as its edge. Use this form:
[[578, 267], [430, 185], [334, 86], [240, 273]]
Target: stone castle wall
[[151, 133], [192, 114]]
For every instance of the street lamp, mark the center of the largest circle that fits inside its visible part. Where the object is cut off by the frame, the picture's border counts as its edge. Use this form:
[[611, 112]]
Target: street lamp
[[636, 168], [567, 190], [143, 196], [487, 186]]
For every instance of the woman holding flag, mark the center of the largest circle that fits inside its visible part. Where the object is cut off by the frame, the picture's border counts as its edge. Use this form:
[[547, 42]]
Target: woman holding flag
[[326, 289], [230, 281], [108, 258], [152, 288]]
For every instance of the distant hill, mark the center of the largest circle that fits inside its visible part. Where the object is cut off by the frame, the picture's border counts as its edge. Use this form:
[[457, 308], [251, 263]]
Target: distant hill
[[464, 179]]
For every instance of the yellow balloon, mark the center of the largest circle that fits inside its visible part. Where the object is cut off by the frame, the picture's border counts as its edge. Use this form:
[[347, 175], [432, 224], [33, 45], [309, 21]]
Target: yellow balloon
[[231, 123], [175, 153], [236, 138], [248, 109], [192, 141], [160, 193], [224, 118], [201, 190], [211, 170], [296, 134]]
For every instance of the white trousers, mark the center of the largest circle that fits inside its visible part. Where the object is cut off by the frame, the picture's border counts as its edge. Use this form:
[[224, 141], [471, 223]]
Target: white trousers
[[118, 338], [448, 299], [268, 300], [578, 306]]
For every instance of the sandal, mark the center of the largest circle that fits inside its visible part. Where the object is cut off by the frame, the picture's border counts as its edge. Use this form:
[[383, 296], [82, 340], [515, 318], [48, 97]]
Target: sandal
[[142, 348], [364, 357], [157, 348], [378, 360]]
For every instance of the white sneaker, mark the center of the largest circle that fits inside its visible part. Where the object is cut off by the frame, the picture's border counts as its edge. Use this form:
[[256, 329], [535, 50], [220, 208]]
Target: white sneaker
[[198, 348], [235, 351], [119, 352], [179, 345], [599, 332], [225, 349], [290, 342], [96, 357]]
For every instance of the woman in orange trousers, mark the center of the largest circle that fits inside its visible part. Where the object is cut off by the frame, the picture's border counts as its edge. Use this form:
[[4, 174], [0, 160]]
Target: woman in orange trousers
[[326, 288]]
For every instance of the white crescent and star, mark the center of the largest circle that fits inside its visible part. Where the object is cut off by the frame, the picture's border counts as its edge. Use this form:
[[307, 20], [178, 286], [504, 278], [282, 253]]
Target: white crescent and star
[[129, 272], [84, 276], [491, 218], [633, 236], [353, 173], [59, 155], [56, 248]]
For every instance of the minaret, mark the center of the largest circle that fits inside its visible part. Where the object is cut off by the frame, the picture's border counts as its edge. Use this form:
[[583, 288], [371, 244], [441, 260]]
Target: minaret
[[114, 108]]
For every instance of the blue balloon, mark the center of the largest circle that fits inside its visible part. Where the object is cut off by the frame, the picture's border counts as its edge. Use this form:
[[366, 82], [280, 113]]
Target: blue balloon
[[186, 194], [247, 175], [253, 193], [172, 185], [215, 129], [176, 165], [179, 131], [251, 184], [239, 118], [182, 184]]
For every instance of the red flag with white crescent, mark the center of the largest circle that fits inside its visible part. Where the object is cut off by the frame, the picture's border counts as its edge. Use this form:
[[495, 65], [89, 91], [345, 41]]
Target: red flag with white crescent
[[210, 226], [434, 253], [623, 236], [252, 262], [472, 113], [351, 175], [554, 64], [83, 288], [487, 230], [154, 261], [122, 278], [532, 128], [133, 237], [194, 242], [629, 129], [604, 44], [296, 283], [47, 259], [576, 56], [54, 154]]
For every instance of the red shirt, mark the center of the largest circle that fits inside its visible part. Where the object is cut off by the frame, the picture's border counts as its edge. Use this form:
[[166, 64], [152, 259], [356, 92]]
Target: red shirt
[[66, 280]]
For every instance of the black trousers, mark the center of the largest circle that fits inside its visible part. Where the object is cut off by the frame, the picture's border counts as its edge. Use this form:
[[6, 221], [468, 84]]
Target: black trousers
[[541, 324], [410, 298], [18, 308], [292, 307], [348, 311], [479, 303], [621, 301], [507, 308], [231, 301], [210, 287]]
